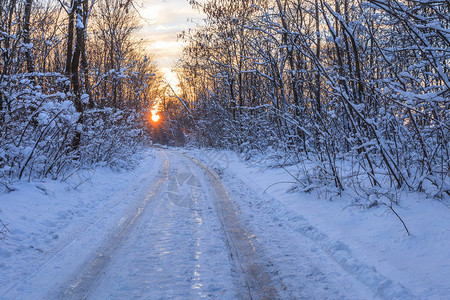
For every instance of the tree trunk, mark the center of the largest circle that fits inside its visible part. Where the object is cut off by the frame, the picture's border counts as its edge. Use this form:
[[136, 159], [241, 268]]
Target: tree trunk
[[84, 62], [79, 48], [70, 38], [318, 104], [26, 36]]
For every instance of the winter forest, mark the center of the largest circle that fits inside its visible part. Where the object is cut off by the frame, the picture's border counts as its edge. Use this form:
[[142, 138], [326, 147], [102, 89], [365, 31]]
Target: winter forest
[[73, 84], [302, 152], [358, 88]]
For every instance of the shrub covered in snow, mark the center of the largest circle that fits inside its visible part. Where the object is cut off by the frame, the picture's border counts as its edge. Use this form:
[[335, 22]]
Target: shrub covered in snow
[[38, 127]]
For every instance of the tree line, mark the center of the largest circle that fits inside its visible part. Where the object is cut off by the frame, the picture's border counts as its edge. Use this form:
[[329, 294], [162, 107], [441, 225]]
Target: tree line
[[359, 89], [74, 80]]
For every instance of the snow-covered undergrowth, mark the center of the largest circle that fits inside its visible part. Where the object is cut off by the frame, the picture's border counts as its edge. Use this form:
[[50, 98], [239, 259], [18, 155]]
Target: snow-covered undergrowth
[[354, 227], [372, 115], [38, 134], [44, 216]]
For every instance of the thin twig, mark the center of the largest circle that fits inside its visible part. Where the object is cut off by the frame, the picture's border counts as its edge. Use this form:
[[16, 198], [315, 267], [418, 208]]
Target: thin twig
[[277, 183], [404, 225]]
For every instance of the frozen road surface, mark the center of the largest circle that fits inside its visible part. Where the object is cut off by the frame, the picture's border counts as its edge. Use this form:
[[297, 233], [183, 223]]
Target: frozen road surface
[[184, 234]]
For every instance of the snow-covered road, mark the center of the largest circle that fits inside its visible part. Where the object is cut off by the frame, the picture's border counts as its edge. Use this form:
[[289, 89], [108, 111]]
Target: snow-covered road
[[179, 233], [179, 237], [184, 241]]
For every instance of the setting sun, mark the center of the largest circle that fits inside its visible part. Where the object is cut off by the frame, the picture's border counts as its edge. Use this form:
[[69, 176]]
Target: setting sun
[[154, 112], [155, 117]]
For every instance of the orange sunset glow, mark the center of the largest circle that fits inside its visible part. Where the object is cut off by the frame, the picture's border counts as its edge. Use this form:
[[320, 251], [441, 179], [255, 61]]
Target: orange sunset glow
[[155, 116], [154, 112]]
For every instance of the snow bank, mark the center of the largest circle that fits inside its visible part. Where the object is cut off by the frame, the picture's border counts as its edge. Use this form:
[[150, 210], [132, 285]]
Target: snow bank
[[44, 217], [370, 244]]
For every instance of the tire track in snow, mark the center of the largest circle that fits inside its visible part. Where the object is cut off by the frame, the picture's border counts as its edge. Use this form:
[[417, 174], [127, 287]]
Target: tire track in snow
[[91, 272], [178, 249], [44, 281], [238, 242], [244, 252]]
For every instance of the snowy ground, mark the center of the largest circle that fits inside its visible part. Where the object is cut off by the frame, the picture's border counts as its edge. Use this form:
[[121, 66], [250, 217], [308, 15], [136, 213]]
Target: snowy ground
[[55, 224], [370, 244], [169, 229]]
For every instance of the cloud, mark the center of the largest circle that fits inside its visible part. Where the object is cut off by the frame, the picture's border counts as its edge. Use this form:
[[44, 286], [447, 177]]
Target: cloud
[[166, 19]]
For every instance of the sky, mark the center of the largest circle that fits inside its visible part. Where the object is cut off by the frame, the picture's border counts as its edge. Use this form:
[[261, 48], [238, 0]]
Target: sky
[[165, 19]]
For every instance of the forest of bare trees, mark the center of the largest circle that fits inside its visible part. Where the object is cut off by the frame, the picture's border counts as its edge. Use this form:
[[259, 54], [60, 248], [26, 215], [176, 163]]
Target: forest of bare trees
[[74, 82], [358, 89]]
